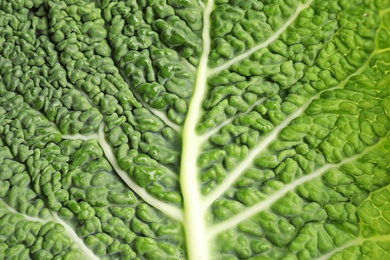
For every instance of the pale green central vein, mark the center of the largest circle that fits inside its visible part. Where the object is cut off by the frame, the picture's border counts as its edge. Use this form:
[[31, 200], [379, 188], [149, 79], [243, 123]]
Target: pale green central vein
[[194, 222]]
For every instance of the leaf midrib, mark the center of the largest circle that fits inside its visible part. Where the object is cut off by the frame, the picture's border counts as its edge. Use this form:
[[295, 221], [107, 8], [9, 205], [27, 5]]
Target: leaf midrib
[[194, 222], [194, 205]]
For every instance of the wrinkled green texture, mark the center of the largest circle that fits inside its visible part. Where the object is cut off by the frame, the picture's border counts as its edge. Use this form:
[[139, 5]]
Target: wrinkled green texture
[[67, 67]]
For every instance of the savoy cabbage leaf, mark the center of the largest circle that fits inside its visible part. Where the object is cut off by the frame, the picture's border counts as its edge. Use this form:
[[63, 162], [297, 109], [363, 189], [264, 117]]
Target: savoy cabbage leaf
[[195, 129]]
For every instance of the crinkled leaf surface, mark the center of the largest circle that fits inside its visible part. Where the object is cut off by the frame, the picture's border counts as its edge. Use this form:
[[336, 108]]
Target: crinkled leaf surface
[[184, 129]]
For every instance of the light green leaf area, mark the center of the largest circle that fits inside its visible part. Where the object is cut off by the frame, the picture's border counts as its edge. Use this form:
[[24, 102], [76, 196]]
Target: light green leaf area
[[375, 227], [195, 129]]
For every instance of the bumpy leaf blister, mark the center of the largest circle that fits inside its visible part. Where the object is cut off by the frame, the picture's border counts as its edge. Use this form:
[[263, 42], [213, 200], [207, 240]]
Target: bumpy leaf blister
[[171, 129]]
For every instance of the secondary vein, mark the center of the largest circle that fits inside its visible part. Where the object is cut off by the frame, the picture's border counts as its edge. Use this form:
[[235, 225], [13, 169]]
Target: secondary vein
[[162, 116], [265, 204], [68, 230], [241, 167], [167, 209], [246, 54]]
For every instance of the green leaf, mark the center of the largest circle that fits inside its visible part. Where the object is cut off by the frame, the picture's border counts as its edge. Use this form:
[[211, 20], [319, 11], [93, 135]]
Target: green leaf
[[194, 129]]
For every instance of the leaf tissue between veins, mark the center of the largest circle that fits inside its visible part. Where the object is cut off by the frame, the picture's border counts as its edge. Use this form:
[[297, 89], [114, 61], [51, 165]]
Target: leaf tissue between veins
[[195, 129]]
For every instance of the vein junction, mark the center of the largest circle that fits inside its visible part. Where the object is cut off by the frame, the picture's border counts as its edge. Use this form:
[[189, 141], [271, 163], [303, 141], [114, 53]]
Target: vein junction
[[263, 44], [167, 209], [194, 206], [241, 167], [194, 222], [265, 204]]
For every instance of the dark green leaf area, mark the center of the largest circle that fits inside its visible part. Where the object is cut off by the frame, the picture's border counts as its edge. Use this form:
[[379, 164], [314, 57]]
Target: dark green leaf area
[[32, 71], [142, 132], [147, 151], [383, 33], [22, 128], [189, 11], [73, 180], [87, 57], [150, 49], [20, 193], [232, 95], [14, 192], [22, 239], [99, 86]]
